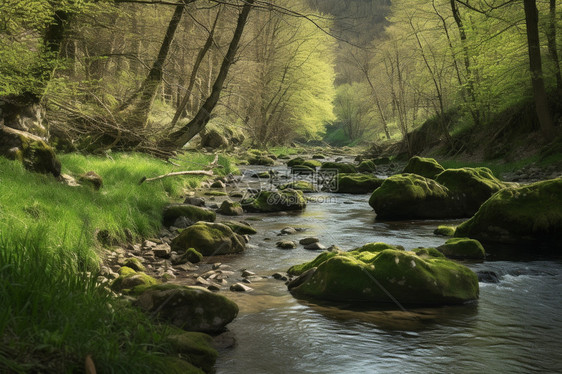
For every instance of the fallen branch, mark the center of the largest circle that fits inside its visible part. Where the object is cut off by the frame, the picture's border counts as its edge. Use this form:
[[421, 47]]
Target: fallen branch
[[176, 173]]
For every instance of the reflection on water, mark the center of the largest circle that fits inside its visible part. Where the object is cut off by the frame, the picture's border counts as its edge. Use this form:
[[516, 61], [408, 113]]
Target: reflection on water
[[516, 325]]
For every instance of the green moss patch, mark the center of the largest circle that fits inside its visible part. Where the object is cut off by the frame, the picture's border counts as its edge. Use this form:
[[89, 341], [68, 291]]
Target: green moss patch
[[426, 167], [445, 230], [209, 239], [191, 212], [342, 167], [303, 186], [357, 183], [275, 201], [463, 248]]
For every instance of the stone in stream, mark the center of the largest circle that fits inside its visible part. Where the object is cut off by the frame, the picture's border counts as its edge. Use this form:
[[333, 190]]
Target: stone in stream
[[230, 208], [286, 244], [426, 167], [275, 201], [247, 273], [240, 287], [314, 246], [303, 186], [191, 256], [443, 230], [189, 308], [357, 183], [487, 276], [367, 166], [288, 231], [341, 167], [197, 201], [209, 239], [307, 241], [199, 347], [279, 276], [193, 213], [369, 273], [463, 249]]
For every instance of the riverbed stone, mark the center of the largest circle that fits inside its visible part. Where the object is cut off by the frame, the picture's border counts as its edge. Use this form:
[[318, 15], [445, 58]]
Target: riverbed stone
[[286, 244], [162, 250], [303, 186], [191, 212], [426, 167], [463, 249], [411, 196], [520, 215], [357, 183], [134, 263], [193, 200], [191, 256], [261, 160], [341, 167], [240, 287], [309, 240], [189, 308], [275, 201], [315, 246], [196, 348], [241, 228], [129, 281], [444, 230], [230, 208], [368, 276], [295, 161], [209, 239], [367, 166]]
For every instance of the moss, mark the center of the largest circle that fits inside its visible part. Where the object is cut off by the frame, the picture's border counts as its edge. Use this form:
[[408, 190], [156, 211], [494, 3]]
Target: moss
[[240, 228], [312, 164], [261, 160], [276, 201], [357, 183], [302, 169], [428, 252], [175, 365], [367, 166], [196, 348], [37, 156], [295, 161], [134, 282], [410, 196], [445, 230], [192, 212], [342, 167], [426, 167], [410, 279], [303, 186], [230, 208], [209, 239], [215, 193], [463, 248], [373, 248], [381, 161], [134, 263], [519, 214], [193, 256], [125, 271], [299, 269], [318, 156]]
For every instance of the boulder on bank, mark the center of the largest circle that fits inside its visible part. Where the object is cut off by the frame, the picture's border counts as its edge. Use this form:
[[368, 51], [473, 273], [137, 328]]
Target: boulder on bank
[[275, 201], [209, 239], [426, 167], [463, 249], [303, 186], [341, 167], [470, 187], [196, 347], [191, 212], [444, 230], [357, 183], [517, 215], [230, 208], [129, 281], [30, 150], [370, 275], [411, 196], [189, 308]]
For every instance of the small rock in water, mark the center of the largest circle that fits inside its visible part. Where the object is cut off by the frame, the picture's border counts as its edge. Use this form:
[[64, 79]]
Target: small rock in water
[[307, 241], [216, 265], [279, 276], [240, 287], [247, 273], [224, 340], [486, 276], [333, 248], [286, 244], [315, 246], [213, 287], [288, 231], [246, 280], [192, 200]]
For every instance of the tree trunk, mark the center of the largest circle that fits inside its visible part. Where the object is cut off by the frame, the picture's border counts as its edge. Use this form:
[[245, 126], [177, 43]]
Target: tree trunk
[[200, 56], [539, 92], [179, 138], [552, 49], [138, 107]]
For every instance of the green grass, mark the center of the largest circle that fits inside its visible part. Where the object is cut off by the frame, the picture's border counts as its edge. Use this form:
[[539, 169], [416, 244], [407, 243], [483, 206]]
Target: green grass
[[52, 313]]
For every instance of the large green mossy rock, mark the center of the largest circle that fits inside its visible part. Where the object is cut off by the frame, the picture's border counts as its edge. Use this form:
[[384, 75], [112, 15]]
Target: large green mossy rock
[[196, 348], [303, 186], [295, 161], [30, 150], [463, 249], [261, 160], [426, 167], [209, 239], [130, 281], [341, 167], [240, 227], [357, 183], [411, 196], [275, 201], [517, 215], [191, 212], [470, 187], [370, 276], [367, 166], [189, 308]]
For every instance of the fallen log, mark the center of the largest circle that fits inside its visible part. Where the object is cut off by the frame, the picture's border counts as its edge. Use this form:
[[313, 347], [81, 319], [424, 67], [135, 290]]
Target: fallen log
[[176, 173]]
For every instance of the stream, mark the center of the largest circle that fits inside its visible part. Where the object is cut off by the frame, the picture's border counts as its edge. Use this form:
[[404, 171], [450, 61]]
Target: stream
[[515, 326]]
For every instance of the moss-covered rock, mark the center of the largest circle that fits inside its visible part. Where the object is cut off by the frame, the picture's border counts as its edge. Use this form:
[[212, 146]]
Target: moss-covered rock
[[463, 249], [275, 201], [470, 187], [261, 160], [357, 183], [134, 264], [312, 164], [428, 252], [295, 161], [369, 276], [130, 281], [445, 230], [209, 239], [342, 167], [189, 308], [411, 196], [303, 186], [193, 256], [191, 212], [196, 348], [240, 227], [302, 169], [175, 365], [426, 167], [367, 166], [381, 161], [318, 156], [29, 149], [530, 213], [230, 208]]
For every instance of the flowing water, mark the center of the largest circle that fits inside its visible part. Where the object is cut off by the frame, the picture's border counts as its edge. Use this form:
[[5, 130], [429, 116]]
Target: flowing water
[[515, 326]]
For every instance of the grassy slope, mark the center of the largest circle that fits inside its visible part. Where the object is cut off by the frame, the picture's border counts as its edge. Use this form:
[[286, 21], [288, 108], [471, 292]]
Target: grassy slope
[[52, 313]]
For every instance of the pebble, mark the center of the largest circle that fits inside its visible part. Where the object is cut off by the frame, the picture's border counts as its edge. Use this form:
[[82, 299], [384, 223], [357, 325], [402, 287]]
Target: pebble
[[279, 276], [288, 231], [247, 273], [310, 240], [315, 246], [286, 244], [240, 287]]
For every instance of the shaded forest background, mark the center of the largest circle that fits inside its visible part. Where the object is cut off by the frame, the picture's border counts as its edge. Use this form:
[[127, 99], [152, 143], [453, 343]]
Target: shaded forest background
[[150, 75]]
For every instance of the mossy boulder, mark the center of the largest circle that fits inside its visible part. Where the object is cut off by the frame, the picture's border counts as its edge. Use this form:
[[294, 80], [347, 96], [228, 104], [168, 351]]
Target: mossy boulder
[[230, 208], [428, 252], [463, 249], [367, 166], [196, 348], [312, 163], [518, 215], [209, 239], [470, 187], [240, 227], [411, 196], [302, 169], [191, 212], [130, 281], [193, 256], [444, 230], [261, 160], [426, 167], [175, 365], [303, 186], [295, 161], [275, 201], [134, 264], [357, 183], [30, 150], [369, 276], [189, 308], [341, 167]]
